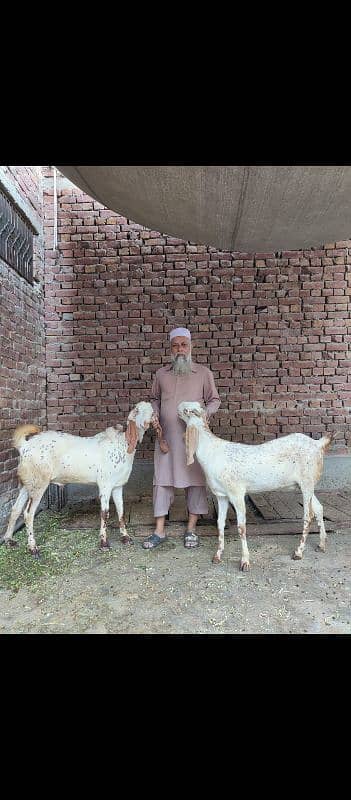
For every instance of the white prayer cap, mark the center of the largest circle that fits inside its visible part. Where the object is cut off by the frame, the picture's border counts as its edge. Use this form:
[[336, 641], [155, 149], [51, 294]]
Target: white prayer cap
[[179, 332]]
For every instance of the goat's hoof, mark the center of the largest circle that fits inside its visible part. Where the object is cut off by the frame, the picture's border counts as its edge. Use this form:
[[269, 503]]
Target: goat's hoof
[[35, 553], [216, 559], [105, 545], [244, 566], [320, 549], [10, 543], [296, 556], [127, 540]]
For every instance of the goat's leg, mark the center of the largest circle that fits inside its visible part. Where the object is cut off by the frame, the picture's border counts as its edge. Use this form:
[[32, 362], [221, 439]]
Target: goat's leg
[[15, 513], [222, 515], [239, 505], [308, 515], [317, 509], [105, 513], [117, 495], [29, 513]]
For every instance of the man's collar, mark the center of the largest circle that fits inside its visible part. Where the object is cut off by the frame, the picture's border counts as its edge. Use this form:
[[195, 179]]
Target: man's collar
[[194, 367]]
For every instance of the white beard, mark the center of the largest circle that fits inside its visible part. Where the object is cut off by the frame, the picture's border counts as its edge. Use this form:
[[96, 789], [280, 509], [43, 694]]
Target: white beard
[[181, 364]]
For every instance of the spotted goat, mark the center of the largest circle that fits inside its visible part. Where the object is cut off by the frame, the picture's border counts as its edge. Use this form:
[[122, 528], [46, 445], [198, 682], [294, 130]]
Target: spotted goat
[[105, 459], [233, 470]]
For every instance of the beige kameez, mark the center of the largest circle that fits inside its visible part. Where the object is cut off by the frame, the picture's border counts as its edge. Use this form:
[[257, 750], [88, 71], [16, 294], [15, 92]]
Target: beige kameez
[[168, 390]]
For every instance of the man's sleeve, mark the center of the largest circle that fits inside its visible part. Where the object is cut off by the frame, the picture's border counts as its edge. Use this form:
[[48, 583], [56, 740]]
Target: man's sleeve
[[155, 398], [211, 396]]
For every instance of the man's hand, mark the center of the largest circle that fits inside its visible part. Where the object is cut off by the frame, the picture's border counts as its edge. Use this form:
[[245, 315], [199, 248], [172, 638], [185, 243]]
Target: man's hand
[[155, 422]]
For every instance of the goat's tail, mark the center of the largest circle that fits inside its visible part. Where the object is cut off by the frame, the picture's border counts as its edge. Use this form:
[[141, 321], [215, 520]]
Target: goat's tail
[[327, 440], [21, 433]]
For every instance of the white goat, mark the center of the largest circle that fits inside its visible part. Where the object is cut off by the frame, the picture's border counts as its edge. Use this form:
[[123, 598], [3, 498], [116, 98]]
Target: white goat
[[53, 457], [233, 470]]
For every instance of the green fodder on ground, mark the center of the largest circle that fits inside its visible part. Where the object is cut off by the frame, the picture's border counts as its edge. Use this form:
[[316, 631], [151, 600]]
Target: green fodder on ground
[[60, 550]]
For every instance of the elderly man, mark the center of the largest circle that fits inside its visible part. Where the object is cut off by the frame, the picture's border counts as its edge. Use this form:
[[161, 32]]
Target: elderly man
[[181, 380]]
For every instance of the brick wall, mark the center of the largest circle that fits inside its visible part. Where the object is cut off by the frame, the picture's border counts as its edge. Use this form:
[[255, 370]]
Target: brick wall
[[28, 181], [22, 344], [274, 328]]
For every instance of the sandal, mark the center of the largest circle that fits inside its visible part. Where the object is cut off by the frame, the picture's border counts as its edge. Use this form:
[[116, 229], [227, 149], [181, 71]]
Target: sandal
[[191, 539], [154, 540]]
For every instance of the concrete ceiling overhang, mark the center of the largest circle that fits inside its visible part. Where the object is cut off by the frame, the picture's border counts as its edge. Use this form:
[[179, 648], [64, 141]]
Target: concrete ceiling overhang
[[246, 208]]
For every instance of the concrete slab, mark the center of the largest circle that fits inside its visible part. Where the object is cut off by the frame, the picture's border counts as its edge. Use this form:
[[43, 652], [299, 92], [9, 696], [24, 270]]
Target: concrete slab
[[257, 208]]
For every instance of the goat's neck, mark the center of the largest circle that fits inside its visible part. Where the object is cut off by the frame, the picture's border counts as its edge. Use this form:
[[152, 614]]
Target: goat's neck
[[204, 439], [141, 433]]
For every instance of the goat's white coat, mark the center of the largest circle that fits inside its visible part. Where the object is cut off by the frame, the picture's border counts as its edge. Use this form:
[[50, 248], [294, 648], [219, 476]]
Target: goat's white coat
[[234, 470], [61, 458]]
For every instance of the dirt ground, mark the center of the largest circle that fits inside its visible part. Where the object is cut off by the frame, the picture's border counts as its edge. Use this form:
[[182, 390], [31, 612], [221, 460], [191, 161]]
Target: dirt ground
[[77, 589]]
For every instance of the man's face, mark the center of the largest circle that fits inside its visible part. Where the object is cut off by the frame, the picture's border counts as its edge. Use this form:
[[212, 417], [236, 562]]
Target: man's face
[[181, 355], [180, 346]]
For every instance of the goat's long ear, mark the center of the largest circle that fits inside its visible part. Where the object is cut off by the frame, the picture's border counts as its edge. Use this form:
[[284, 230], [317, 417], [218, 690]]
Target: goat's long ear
[[191, 442], [131, 436], [205, 420]]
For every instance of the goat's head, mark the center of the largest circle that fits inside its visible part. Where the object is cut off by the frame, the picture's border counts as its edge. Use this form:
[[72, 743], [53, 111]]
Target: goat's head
[[139, 420], [194, 416], [192, 413]]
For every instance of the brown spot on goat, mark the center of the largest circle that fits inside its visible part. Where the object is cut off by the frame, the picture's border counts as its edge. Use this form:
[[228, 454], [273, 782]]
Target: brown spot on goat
[[131, 436], [191, 442]]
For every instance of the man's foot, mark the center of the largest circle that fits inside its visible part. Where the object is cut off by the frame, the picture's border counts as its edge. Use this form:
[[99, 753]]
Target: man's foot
[[191, 539], [153, 541]]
